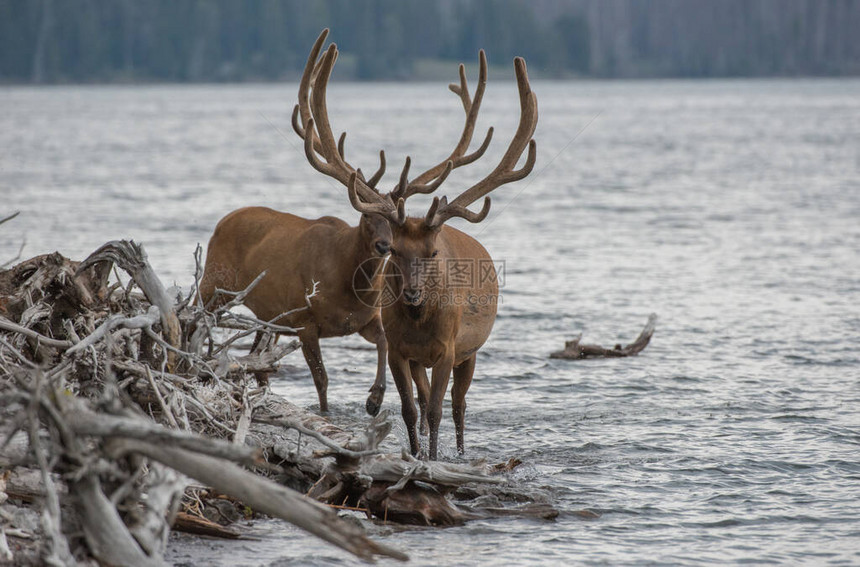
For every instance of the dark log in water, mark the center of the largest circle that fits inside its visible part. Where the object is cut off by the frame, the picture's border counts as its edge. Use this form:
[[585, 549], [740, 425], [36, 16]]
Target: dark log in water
[[191, 524], [573, 350]]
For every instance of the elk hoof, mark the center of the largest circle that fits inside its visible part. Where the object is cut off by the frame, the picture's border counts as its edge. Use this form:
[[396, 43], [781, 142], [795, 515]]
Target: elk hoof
[[374, 403], [371, 407]]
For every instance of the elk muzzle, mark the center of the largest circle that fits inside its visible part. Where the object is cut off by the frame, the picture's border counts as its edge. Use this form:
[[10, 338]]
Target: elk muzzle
[[413, 296]]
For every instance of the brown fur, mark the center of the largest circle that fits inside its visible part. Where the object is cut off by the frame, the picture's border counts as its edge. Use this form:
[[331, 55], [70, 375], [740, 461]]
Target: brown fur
[[297, 252], [442, 332]]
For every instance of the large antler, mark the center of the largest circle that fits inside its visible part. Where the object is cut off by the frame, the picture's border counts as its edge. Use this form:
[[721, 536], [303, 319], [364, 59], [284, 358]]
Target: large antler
[[323, 153], [505, 172], [431, 179]]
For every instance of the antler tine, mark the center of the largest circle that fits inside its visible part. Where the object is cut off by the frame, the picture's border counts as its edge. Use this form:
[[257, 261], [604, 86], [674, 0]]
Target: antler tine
[[315, 77], [314, 159], [319, 111], [297, 127], [447, 211], [374, 179], [462, 90], [311, 123], [462, 212], [308, 76], [434, 206], [467, 159], [505, 171], [458, 156], [405, 189], [340, 145], [395, 214], [402, 185], [357, 203]]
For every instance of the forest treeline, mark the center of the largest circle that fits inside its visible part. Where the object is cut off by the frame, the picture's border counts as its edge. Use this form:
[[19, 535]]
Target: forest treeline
[[48, 41]]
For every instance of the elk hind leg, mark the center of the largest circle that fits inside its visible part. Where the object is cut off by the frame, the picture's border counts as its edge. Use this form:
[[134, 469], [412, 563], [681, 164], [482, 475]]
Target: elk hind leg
[[261, 341], [313, 356]]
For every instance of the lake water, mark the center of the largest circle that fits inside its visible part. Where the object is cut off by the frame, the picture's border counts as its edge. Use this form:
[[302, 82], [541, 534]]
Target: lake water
[[729, 208]]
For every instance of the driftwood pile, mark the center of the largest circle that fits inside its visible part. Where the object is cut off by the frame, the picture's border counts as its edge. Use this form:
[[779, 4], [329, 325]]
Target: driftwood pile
[[126, 412]]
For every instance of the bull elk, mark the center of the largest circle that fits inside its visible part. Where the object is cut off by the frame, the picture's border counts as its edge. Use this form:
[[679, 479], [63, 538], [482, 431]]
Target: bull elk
[[438, 324], [297, 253]]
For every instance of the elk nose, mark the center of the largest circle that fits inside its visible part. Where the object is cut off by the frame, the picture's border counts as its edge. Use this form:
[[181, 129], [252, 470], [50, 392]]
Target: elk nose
[[412, 296], [382, 247]]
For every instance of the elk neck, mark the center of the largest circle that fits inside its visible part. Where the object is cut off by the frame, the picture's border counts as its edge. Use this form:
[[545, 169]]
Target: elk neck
[[363, 264]]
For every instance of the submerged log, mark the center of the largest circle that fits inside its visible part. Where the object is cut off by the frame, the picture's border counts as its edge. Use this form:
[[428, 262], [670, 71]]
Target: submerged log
[[573, 350]]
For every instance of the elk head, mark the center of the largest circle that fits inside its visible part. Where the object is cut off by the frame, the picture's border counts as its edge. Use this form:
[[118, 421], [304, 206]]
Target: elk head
[[310, 121], [413, 241]]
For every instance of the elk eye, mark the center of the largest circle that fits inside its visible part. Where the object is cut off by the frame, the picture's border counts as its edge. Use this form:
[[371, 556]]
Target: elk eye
[[434, 254]]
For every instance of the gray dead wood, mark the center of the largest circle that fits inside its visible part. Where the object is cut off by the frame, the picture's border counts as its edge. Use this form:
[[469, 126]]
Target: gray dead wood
[[265, 496], [58, 550], [85, 422], [94, 396], [15, 449], [150, 523], [243, 424], [365, 449], [201, 526], [266, 361], [7, 325], [146, 320], [5, 552], [573, 350], [24, 483], [396, 488], [132, 258], [106, 534], [402, 468]]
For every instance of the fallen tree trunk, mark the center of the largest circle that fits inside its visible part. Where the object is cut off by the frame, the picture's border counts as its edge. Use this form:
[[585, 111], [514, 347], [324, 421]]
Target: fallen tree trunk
[[263, 495], [573, 350]]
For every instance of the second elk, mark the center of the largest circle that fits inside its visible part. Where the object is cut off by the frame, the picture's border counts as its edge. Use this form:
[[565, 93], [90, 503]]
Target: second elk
[[435, 322], [342, 263]]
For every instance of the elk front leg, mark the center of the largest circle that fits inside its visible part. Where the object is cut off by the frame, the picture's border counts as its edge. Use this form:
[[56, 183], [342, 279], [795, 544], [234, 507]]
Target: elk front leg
[[438, 387], [462, 380], [311, 350], [419, 376], [374, 333], [403, 380]]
